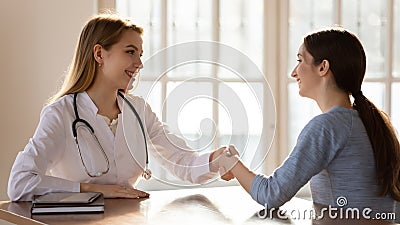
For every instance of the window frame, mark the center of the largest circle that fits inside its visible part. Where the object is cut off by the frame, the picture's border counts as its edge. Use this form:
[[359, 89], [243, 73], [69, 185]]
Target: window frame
[[275, 64]]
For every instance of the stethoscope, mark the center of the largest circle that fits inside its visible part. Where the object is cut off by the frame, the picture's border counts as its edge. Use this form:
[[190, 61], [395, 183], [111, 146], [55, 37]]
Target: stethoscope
[[81, 122]]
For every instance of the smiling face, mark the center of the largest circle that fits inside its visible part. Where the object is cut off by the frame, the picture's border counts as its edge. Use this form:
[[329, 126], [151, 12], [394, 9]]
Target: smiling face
[[122, 62], [306, 74]]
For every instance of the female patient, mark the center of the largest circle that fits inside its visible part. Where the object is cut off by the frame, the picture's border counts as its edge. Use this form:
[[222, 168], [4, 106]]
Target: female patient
[[106, 61], [350, 150]]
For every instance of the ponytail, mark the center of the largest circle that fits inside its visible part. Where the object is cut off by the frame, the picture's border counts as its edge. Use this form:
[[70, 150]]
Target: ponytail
[[347, 61], [384, 142]]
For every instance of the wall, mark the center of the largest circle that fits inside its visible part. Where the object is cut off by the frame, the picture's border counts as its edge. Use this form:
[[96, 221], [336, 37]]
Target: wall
[[37, 42]]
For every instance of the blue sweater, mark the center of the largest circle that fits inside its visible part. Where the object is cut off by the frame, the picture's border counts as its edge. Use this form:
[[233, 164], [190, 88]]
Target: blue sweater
[[334, 152]]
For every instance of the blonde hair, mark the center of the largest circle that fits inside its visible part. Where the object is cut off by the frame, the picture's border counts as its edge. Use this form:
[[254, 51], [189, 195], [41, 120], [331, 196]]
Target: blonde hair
[[103, 29]]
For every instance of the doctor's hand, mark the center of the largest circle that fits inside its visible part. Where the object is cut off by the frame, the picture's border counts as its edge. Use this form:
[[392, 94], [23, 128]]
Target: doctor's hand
[[113, 191], [214, 163], [227, 160]]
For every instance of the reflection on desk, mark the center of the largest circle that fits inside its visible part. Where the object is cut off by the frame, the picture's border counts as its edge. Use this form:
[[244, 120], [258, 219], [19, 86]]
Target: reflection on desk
[[222, 205]]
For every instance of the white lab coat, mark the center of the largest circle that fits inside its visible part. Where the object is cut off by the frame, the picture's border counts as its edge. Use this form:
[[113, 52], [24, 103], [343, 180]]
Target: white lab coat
[[50, 161]]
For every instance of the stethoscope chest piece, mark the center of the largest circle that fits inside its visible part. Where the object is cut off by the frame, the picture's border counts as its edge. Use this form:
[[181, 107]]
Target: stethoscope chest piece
[[146, 174]]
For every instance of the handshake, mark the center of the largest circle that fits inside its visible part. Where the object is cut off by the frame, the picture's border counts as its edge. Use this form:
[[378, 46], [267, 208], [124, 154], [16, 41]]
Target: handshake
[[223, 161]]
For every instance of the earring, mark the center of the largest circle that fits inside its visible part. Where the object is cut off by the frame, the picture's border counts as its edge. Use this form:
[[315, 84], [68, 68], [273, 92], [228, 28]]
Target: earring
[[99, 64]]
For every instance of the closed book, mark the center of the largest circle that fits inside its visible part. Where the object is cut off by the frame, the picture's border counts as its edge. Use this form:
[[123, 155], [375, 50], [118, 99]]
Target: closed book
[[66, 202]]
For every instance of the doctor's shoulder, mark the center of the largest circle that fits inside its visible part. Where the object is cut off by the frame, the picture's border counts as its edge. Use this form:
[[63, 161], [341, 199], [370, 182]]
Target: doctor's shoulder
[[138, 101], [59, 107]]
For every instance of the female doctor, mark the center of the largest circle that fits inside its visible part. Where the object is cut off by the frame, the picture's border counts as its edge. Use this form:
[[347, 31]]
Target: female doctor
[[79, 144]]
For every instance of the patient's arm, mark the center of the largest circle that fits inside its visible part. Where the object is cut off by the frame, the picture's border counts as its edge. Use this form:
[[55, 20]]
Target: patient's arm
[[230, 161]]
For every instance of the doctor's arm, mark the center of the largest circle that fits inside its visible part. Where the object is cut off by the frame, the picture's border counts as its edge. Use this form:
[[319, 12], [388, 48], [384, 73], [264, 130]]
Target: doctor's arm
[[172, 152], [28, 175]]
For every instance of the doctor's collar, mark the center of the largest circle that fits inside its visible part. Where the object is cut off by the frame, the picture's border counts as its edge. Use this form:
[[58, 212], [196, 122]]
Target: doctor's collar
[[88, 103]]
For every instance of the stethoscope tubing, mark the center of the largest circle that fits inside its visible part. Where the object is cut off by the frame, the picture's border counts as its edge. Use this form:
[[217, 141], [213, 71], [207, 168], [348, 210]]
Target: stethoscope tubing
[[79, 120], [140, 123]]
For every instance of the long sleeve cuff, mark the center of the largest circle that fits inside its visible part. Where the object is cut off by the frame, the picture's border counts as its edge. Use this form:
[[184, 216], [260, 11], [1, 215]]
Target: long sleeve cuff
[[40, 186], [54, 184], [201, 169]]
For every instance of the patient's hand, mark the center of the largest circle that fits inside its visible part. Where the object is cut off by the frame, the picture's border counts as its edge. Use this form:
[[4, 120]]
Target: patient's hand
[[113, 191], [227, 160], [223, 160], [227, 176]]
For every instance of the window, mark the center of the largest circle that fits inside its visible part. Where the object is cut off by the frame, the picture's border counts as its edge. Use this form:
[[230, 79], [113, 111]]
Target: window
[[395, 94], [269, 33], [376, 23], [208, 104]]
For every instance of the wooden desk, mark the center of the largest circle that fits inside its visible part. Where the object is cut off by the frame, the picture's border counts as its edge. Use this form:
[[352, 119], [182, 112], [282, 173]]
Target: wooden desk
[[222, 205]]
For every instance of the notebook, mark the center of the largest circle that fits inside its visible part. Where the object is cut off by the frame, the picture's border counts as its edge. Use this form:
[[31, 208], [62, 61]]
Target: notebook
[[68, 202]]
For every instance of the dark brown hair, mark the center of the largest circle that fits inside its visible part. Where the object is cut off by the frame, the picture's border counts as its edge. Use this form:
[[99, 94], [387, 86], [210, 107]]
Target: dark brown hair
[[347, 61]]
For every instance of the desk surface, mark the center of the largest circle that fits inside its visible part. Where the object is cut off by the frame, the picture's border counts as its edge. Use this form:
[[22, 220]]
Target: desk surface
[[222, 205]]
